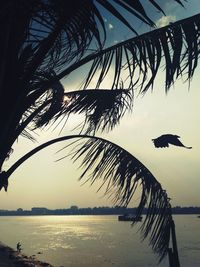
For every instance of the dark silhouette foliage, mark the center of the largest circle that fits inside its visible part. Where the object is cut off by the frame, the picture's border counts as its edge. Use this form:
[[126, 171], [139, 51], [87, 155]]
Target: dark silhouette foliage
[[44, 41], [120, 174]]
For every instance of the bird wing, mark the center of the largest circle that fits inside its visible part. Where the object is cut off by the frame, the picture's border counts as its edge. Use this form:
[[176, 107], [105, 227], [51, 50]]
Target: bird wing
[[175, 141], [166, 139]]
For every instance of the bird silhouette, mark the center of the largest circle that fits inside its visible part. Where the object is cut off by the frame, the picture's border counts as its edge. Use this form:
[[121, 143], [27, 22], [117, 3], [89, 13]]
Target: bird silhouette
[[166, 139]]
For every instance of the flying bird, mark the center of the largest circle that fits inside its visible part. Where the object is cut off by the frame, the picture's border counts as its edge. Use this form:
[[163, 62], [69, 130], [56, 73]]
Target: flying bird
[[166, 139]]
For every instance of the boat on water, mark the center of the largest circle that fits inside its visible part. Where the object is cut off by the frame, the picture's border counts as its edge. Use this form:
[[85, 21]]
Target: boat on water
[[129, 217]]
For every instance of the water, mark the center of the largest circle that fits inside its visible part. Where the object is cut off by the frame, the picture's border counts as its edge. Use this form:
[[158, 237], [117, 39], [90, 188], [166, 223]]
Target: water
[[100, 241]]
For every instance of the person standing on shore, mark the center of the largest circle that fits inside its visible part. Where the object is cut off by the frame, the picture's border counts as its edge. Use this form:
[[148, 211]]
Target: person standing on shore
[[19, 247]]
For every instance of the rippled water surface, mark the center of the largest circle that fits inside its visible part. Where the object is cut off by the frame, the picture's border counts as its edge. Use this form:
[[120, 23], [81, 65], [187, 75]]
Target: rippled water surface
[[99, 241]]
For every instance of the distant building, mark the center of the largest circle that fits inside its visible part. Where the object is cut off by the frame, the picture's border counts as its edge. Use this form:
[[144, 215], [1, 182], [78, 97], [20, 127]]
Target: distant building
[[39, 211], [20, 210], [74, 207]]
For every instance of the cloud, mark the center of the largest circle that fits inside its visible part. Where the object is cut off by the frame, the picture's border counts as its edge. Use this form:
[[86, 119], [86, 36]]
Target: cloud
[[165, 20], [110, 26]]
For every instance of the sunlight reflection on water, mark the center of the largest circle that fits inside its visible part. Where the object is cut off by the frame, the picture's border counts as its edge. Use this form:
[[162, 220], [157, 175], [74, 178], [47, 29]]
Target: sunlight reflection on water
[[102, 241]]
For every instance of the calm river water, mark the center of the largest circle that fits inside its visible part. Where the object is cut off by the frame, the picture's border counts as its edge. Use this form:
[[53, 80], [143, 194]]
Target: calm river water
[[95, 241]]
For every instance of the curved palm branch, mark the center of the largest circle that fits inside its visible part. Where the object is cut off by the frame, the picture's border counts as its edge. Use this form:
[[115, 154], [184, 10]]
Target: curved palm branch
[[56, 33], [46, 106], [120, 173], [102, 109], [177, 44], [56, 101], [43, 46]]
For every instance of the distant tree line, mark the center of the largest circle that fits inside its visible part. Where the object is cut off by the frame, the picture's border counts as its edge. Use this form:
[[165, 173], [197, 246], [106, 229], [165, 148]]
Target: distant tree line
[[91, 211]]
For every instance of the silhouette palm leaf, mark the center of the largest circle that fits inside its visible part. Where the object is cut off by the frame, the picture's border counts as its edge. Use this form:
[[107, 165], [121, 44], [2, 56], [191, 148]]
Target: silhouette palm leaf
[[40, 108], [45, 41], [55, 96], [175, 45], [120, 173], [61, 32], [102, 109], [52, 38]]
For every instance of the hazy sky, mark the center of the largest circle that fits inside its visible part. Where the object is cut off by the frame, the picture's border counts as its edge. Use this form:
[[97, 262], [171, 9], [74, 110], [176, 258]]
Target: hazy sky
[[41, 181]]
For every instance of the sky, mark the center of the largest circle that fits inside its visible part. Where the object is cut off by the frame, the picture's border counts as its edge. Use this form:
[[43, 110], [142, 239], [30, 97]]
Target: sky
[[42, 182]]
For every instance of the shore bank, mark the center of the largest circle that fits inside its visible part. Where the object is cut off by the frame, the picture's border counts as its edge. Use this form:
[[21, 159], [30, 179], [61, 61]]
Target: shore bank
[[11, 258]]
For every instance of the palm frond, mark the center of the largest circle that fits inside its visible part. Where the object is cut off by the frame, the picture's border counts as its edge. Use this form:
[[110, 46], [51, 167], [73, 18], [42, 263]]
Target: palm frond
[[28, 133], [57, 33], [138, 59], [40, 111], [135, 8], [120, 173], [55, 97], [102, 109]]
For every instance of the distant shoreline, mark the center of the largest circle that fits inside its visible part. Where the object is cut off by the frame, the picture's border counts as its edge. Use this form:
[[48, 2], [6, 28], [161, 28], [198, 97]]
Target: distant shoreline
[[74, 210], [196, 214]]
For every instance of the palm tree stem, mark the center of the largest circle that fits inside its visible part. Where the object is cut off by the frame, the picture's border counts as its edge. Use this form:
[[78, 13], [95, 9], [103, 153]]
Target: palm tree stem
[[174, 245]]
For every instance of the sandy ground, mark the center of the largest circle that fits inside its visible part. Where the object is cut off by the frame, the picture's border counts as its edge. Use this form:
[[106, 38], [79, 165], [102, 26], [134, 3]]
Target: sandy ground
[[11, 258]]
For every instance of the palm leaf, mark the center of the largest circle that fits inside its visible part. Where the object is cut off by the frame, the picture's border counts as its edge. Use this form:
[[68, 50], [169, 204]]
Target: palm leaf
[[102, 109], [134, 7], [41, 110], [56, 101], [175, 45], [120, 173], [60, 33], [102, 60]]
